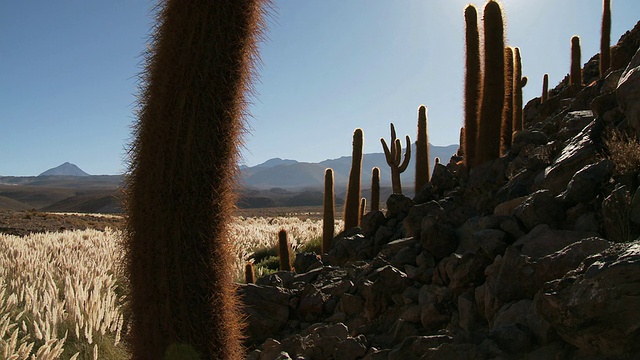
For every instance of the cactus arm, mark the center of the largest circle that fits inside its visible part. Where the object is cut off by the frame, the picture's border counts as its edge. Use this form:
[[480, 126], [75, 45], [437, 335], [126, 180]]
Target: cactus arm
[[407, 155]]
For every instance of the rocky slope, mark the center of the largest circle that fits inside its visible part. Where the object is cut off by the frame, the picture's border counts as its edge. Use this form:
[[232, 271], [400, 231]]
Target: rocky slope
[[530, 256]]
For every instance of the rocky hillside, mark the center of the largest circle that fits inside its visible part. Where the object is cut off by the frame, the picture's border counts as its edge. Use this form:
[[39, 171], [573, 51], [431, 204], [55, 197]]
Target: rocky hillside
[[530, 256]]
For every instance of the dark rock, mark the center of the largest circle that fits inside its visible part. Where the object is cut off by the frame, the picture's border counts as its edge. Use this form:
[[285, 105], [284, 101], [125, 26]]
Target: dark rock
[[312, 303], [523, 138], [351, 304], [586, 183], [266, 308], [416, 346], [442, 180], [413, 222], [437, 238], [307, 261], [542, 241], [541, 207], [616, 210], [628, 92], [484, 181], [357, 247], [597, 307], [371, 222], [515, 338], [398, 205], [461, 272], [454, 352]]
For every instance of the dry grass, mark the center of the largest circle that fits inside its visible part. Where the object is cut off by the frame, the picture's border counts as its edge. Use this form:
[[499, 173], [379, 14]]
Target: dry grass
[[623, 150], [63, 294]]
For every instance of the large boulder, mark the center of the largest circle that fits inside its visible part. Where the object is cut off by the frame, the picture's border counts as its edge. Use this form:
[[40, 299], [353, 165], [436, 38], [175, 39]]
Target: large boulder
[[628, 92], [266, 308], [597, 307]]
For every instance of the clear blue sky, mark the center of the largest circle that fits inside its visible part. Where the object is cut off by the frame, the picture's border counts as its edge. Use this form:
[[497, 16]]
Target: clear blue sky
[[68, 73]]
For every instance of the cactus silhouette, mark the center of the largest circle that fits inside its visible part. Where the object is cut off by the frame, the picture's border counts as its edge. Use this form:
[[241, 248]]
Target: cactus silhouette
[[363, 208], [518, 83], [545, 88], [422, 151], [605, 39], [328, 217], [575, 75], [375, 189], [284, 251], [507, 110], [352, 201], [471, 85], [393, 156], [179, 190], [488, 144], [249, 273]]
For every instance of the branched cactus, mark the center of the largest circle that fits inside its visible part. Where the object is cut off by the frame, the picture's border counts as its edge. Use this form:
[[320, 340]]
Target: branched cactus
[[545, 88], [249, 273], [518, 83], [352, 201], [507, 111], [605, 39], [576, 67], [180, 183], [284, 251], [393, 156], [490, 121], [471, 86], [328, 220], [375, 189], [422, 151]]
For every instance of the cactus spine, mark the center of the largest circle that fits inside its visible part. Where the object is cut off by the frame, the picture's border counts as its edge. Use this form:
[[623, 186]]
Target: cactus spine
[[393, 156], [576, 67], [545, 88], [181, 179], [507, 111], [605, 39], [284, 251], [518, 83], [352, 201], [328, 221], [249, 273], [422, 151], [375, 189], [471, 85], [493, 85]]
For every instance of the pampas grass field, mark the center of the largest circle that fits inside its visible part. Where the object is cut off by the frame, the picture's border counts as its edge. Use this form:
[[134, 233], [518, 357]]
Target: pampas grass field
[[63, 294]]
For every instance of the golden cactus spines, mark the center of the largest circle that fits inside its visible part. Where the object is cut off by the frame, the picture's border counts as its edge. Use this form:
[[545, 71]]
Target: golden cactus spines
[[328, 217], [507, 110], [490, 120], [471, 86], [393, 155], [180, 184], [423, 172], [352, 201]]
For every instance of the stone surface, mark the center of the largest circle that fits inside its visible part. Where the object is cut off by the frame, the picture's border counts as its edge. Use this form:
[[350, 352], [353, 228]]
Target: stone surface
[[585, 185], [541, 207], [542, 240], [628, 92], [267, 309]]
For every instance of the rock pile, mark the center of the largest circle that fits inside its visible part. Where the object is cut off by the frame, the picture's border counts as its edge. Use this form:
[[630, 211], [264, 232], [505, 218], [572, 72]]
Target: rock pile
[[530, 256]]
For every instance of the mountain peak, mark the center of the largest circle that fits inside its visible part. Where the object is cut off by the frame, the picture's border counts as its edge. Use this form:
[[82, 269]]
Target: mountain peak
[[66, 169]]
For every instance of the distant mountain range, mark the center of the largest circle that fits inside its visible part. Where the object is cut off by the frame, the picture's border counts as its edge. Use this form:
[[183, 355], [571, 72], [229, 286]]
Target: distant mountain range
[[274, 183], [291, 174]]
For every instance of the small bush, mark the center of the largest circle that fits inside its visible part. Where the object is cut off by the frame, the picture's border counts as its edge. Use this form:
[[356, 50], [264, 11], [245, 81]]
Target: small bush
[[624, 150]]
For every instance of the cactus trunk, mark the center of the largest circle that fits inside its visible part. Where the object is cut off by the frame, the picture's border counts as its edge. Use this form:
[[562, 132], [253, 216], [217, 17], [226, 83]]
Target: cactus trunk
[[375, 189], [328, 220], [284, 251], [471, 86], [507, 111], [545, 88], [352, 201], [422, 151], [492, 86], [249, 273], [576, 66], [605, 39], [518, 83], [181, 179]]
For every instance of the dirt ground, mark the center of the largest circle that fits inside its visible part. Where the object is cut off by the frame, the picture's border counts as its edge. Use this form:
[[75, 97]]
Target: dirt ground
[[22, 223]]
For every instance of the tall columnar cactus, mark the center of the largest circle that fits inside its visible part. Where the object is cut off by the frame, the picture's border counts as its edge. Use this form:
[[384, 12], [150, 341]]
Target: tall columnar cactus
[[179, 190], [518, 83], [393, 156], [507, 110], [284, 251], [605, 39], [352, 201], [363, 209], [422, 151], [471, 85], [488, 147], [576, 68], [328, 220], [375, 189], [249, 273], [545, 88]]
